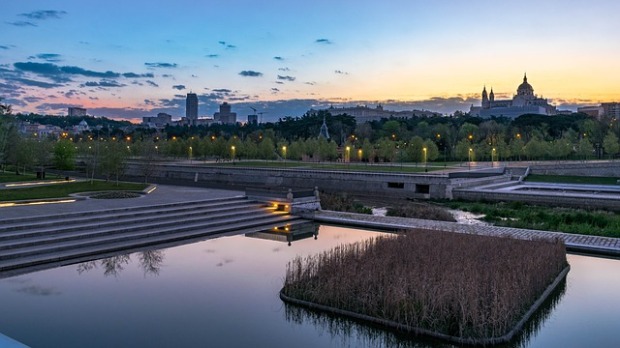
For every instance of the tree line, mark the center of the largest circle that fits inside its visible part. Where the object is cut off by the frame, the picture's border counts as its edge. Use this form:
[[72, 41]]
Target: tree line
[[415, 139]]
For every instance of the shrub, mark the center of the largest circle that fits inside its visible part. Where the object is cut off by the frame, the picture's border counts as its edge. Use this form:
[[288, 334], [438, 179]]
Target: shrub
[[420, 211]]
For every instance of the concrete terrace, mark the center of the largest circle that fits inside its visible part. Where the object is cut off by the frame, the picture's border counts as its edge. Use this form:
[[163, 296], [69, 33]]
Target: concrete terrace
[[34, 237], [42, 236]]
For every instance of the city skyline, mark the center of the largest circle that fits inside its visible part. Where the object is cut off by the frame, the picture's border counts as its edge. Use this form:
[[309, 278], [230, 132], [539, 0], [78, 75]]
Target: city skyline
[[127, 60]]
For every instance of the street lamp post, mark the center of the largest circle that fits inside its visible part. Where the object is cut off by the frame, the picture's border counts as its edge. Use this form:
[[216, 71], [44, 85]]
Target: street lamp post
[[190, 150], [425, 167], [470, 156], [359, 155], [232, 153], [347, 156], [284, 153], [493, 158]]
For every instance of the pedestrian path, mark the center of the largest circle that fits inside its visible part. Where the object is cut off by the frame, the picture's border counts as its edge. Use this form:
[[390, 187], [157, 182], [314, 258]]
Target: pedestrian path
[[574, 242]]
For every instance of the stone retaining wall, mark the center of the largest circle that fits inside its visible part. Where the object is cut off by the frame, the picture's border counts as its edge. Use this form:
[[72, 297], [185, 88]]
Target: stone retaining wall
[[420, 186]]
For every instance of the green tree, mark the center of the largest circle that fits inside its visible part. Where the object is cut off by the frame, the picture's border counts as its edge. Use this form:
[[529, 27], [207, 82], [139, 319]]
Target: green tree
[[610, 144], [535, 149], [462, 149], [414, 150], [584, 149], [64, 154], [385, 150], [114, 159], [266, 149], [432, 151], [561, 148]]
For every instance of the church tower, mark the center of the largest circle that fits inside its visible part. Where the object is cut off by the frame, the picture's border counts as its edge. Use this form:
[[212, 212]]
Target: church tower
[[485, 99], [492, 96]]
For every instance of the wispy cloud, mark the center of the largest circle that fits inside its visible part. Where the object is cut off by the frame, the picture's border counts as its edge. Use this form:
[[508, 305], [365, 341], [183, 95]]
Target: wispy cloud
[[227, 45], [35, 83], [286, 78], [179, 87], [131, 75], [161, 65], [278, 58], [151, 83], [340, 72], [44, 14], [284, 69], [212, 55], [323, 41], [49, 57], [22, 24], [3, 47], [103, 83], [250, 73]]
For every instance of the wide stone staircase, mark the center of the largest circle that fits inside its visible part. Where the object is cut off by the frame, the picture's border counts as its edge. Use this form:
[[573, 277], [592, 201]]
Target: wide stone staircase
[[39, 242]]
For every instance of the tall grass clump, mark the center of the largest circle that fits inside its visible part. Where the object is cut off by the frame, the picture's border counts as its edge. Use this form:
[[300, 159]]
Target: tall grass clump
[[343, 202], [420, 211], [461, 285]]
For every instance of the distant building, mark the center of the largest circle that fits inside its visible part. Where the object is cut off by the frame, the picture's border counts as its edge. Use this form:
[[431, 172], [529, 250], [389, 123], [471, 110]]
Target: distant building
[[38, 130], [611, 109], [160, 121], [253, 119], [593, 111], [81, 127], [191, 108], [363, 113], [75, 111], [224, 116], [524, 102]]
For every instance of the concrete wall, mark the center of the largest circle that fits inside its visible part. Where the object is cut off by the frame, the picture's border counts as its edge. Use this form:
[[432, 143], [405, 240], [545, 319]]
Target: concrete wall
[[399, 185]]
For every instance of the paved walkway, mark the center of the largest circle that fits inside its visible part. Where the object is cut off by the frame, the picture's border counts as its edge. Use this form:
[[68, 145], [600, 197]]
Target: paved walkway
[[163, 194], [574, 242]]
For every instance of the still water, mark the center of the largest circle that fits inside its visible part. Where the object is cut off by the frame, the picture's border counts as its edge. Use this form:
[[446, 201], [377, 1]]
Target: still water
[[224, 293]]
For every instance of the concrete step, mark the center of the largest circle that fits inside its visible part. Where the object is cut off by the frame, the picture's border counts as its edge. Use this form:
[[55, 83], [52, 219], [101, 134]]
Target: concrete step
[[84, 255], [32, 256], [67, 225], [52, 220], [28, 238]]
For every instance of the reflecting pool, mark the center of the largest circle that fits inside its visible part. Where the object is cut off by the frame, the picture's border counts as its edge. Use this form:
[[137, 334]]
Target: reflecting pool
[[223, 292]]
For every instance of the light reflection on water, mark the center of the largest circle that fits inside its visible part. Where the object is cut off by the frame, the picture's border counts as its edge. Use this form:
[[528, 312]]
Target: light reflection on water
[[224, 293]]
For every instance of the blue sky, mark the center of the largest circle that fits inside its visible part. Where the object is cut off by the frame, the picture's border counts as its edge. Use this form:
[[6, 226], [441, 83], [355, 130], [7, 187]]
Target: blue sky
[[128, 59]]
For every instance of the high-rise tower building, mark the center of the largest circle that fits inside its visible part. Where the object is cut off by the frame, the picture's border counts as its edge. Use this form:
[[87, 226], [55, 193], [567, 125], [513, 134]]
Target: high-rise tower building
[[191, 108]]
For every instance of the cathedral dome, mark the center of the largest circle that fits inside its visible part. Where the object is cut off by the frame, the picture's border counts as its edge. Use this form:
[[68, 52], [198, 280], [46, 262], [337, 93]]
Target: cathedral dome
[[525, 88]]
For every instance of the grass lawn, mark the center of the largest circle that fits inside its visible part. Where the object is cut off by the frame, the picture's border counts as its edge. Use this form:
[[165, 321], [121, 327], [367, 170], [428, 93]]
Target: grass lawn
[[12, 177], [570, 179], [63, 190], [359, 167], [568, 220]]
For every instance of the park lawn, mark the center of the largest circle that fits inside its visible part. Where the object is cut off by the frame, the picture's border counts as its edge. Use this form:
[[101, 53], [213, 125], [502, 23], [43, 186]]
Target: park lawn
[[567, 220], [12, 177], [573, 179], [65, 189]]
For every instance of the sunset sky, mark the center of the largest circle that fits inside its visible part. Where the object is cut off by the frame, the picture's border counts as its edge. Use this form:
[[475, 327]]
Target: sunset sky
[[128, 59]]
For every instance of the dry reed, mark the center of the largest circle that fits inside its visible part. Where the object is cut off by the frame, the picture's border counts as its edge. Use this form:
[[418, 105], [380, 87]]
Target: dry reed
[[461, 285]]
